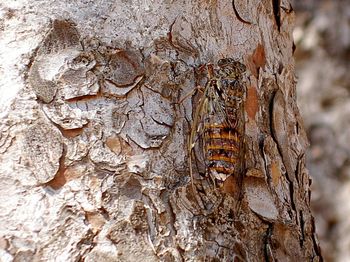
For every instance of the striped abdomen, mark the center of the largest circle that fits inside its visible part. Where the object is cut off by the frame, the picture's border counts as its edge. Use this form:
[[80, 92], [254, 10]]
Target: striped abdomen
[[222, 150]]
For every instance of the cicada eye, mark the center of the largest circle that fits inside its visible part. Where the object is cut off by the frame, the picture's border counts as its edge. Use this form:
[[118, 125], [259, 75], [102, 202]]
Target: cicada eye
[[221, 62], [243, 68]]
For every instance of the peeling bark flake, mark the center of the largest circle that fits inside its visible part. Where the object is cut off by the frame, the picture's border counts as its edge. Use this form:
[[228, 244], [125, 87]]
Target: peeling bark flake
[[44, 164]]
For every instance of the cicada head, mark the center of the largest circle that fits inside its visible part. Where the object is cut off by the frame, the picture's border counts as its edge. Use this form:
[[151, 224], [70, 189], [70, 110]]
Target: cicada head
[[230, 69]]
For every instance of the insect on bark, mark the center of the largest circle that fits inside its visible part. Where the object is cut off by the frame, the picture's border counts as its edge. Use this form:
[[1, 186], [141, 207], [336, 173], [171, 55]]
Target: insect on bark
[[217, 132]]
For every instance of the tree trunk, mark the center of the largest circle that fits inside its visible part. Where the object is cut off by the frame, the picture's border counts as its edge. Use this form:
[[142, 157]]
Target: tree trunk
[[95, 135]]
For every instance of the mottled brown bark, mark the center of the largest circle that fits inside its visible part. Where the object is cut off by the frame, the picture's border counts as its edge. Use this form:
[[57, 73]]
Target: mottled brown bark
[[113, 182]]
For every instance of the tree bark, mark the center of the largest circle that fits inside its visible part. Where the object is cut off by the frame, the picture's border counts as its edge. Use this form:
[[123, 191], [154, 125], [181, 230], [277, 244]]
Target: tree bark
[[94, 137]]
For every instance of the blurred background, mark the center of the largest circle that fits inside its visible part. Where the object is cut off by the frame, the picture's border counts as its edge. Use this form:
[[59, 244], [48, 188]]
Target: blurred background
[[322, 38]]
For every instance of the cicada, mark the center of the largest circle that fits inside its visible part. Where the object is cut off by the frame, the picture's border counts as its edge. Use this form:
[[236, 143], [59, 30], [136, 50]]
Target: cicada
[[217, 132]]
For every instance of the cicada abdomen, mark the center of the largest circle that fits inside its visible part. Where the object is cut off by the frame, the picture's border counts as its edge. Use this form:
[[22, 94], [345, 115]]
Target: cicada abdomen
[[219, 121]]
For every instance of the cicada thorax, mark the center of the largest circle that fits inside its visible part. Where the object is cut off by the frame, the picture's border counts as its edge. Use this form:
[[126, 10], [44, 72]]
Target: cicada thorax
[[223, 128]]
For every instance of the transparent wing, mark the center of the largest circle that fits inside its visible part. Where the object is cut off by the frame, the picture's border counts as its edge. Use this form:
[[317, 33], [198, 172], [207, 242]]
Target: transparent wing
[[195, 143]]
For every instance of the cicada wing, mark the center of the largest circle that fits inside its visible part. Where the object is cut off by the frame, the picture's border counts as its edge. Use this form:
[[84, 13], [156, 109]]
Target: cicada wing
[[240, 127], [196, 156]]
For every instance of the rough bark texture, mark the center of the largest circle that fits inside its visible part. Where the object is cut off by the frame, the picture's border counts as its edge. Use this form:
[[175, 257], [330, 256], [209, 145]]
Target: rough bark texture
[[94, 161], [322, 37]]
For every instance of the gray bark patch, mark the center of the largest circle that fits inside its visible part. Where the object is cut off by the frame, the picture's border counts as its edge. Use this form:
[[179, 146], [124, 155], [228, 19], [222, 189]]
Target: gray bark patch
[[43, 147]]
